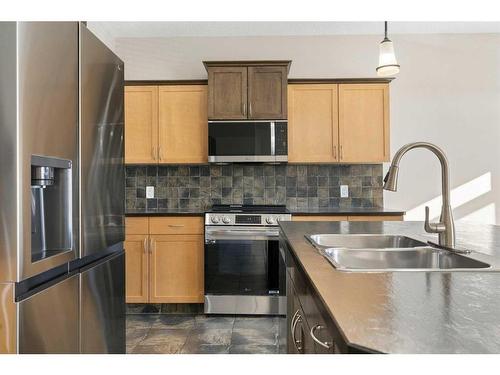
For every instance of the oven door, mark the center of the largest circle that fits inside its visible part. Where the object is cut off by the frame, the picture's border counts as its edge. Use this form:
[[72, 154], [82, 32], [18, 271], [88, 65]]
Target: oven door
[[242, 261], [241, 141]]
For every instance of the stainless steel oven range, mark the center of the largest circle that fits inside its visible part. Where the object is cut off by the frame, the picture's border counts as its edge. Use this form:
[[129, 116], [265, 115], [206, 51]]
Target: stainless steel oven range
[[242, 261]]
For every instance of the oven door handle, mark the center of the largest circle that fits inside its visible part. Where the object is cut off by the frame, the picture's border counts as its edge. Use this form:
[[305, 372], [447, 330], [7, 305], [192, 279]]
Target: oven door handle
[[232, 234]]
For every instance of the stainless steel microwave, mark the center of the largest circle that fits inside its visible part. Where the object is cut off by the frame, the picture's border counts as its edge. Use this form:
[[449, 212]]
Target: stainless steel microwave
[[247, 141]]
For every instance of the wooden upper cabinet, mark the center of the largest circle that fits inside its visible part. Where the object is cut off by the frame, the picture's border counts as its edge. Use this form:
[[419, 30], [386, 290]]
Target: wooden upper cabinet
[[267, 92], [364, 122], [183, 124], [176, 269], [136, 268], [246, 90], [312, 123], [141, 124], [227, 96]]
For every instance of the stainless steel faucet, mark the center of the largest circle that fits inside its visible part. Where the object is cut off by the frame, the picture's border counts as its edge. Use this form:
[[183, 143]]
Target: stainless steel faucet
[[446, 227]]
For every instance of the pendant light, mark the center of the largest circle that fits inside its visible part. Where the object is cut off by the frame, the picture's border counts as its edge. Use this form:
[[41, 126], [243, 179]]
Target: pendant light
[[387, 64]]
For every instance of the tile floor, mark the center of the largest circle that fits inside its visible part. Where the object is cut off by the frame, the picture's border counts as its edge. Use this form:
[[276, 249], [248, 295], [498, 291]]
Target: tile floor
[[201, 334]]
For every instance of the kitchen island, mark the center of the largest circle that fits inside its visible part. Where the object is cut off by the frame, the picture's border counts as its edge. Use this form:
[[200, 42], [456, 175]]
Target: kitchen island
[[391, 312]]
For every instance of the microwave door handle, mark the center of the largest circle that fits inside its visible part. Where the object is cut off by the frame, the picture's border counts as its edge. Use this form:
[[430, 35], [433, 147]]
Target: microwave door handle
[[273, 138]]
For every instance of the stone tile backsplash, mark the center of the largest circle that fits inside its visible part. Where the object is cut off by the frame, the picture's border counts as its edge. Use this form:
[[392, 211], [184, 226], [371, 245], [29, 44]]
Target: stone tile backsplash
[[197, 187]]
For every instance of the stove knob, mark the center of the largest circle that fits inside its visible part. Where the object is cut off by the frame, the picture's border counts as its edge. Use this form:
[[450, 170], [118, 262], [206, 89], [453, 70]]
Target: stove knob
[[226, 220], [214, 219], [270, 220]]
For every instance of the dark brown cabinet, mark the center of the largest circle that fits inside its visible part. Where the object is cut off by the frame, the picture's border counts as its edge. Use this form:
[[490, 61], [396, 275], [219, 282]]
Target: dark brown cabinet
[[299, 339], [247, 90], [227, 93], [310, 329], [267, 92]]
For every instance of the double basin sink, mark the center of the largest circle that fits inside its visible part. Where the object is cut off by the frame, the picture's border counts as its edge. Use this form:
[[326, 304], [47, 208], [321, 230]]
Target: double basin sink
[[382, 253]]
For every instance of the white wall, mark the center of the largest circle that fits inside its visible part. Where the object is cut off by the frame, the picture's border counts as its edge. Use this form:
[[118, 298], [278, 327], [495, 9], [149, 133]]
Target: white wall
[[448, 92]]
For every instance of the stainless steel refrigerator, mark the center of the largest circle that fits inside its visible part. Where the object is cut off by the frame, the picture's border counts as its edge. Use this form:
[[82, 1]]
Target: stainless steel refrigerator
[[61, 189]]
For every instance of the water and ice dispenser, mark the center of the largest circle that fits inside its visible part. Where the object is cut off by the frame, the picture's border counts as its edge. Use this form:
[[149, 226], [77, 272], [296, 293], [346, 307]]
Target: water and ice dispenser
[[51, 207]]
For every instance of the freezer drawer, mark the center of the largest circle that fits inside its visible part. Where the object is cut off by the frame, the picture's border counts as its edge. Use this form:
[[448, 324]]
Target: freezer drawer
[[103, 306], [48, 320]]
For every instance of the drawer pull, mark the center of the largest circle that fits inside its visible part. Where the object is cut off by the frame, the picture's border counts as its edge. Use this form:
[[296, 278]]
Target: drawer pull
[[297, 343], [176, 225], [326, 345], [292, 321]]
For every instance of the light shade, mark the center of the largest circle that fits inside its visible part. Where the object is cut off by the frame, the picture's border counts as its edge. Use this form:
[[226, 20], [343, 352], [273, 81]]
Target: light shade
[[387, 64]]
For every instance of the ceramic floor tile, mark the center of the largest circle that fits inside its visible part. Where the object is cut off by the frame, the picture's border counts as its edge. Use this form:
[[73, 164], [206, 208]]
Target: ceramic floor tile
[[165, 336], [253, 349], [201, 334], [254, 336], [136, 335], [130, 349], [210, 336], [181, 322], [140, 321], [222, 322], [168, 348], [263, 323], [194, 348]]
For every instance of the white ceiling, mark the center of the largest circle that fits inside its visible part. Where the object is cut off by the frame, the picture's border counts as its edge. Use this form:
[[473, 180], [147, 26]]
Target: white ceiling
[[115, 30]]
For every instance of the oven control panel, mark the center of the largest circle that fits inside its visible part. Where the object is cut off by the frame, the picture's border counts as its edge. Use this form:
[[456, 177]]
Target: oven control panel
[[245, 219]]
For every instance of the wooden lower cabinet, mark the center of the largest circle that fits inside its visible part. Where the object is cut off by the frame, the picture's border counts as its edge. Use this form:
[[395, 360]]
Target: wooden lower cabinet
[[162, 267], [176, 269], [305, 324], [299, 340], [136, 268], [310, 328]]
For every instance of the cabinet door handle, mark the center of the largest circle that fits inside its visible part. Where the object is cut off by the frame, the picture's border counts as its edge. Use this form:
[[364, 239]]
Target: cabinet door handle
[[250, 109], [341, 153], [325, 344], [152, 246], [335, 152], [297, 343], [293, 321], [245, 109], [145, 245], [159, 153], [153, 152]]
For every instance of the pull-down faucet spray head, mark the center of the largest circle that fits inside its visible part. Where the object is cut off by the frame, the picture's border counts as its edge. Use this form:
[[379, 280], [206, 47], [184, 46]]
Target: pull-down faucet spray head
[[391, 178]]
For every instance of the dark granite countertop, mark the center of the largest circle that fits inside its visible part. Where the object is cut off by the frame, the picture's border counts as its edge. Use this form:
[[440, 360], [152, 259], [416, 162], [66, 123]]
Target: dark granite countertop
[[348, 211], [164, 212], [408, 312], [309, 211]]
